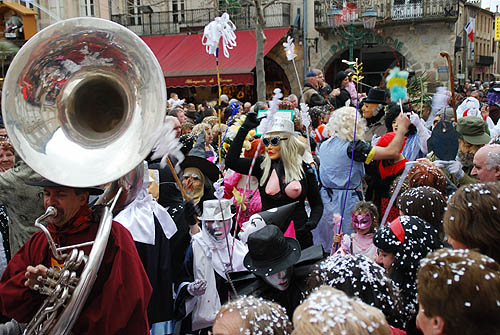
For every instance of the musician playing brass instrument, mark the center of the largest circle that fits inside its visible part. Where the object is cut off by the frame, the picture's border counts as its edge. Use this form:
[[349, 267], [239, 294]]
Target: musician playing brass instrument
[[118, 301]]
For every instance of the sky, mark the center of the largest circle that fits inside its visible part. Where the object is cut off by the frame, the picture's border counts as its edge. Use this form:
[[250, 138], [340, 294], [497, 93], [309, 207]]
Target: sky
[[491, 4]]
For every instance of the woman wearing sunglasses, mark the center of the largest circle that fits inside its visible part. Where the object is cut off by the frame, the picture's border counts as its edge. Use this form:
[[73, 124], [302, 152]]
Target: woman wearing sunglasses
[[283, 175]]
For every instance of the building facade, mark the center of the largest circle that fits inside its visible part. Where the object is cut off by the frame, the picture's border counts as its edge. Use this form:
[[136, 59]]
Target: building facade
[[407, 33]]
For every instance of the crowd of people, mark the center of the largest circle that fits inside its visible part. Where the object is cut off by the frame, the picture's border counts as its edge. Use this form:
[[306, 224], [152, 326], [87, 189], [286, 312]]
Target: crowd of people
[[354, 216]]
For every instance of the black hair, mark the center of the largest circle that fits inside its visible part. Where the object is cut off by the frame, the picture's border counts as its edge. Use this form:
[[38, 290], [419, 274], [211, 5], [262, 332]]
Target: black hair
[[393, 113]]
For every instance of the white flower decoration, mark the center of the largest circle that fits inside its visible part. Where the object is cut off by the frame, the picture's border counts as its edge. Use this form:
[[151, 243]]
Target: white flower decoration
[[220, 27], [289, 48]]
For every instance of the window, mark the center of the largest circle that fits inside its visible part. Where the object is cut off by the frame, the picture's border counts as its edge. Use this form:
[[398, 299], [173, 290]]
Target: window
[[134, 12], [87, 8], [178, 11], [28, 4], [56, 7]]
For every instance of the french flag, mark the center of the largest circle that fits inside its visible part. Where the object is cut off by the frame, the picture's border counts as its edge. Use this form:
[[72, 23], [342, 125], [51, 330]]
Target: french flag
[[469, 28]]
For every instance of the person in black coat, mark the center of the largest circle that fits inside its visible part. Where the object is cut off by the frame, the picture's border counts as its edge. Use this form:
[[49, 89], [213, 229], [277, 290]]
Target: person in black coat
[[283, 176]]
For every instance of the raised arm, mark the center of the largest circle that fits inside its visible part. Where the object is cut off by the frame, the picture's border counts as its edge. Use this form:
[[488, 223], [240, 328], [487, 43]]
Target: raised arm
[[233, 159]]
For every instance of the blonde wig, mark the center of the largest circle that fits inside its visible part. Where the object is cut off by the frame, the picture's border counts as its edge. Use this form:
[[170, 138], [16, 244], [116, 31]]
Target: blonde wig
[[291, 153], [199, 127], [330, 311], [341, 124]]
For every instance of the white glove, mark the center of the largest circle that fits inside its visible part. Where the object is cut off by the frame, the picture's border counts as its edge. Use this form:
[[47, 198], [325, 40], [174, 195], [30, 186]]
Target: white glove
[[414, 119], [197, 288], [453, 167]]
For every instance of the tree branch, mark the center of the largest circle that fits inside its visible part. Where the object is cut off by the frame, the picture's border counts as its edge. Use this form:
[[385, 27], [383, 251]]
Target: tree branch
[[269, 4]]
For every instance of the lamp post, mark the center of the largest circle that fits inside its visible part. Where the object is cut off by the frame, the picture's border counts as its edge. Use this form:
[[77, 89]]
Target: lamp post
[[146, 9], [348, 16]]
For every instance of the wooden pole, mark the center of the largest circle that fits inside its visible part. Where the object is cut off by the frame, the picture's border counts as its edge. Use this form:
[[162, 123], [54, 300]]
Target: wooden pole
[[452, 83]]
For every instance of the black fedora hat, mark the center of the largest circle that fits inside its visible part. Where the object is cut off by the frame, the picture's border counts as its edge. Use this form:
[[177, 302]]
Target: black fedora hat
[[375, 97], [196, 159], [49, 183], [270, 252]]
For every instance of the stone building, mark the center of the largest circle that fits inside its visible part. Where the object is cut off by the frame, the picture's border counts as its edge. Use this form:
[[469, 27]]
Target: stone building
[[408, 33]]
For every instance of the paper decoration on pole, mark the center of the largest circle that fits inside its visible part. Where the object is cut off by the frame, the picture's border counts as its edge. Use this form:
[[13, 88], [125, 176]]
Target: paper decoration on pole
[[221, 27], [396, 83], [289, 48], [304, 115]]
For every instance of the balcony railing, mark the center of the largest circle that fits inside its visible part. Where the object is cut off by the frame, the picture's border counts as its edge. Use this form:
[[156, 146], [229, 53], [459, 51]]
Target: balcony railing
[[194, 20], [396, 11]]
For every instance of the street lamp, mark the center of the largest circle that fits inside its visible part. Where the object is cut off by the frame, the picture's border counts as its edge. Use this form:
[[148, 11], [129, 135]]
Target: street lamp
[[146, 9], [338, 18]]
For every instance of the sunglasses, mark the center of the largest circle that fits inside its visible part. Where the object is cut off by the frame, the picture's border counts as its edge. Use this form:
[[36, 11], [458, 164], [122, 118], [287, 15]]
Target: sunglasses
[[274, 141]]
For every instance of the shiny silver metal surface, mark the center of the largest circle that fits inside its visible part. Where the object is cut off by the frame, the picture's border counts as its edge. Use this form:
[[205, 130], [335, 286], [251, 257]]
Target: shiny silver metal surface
[[82, 101]]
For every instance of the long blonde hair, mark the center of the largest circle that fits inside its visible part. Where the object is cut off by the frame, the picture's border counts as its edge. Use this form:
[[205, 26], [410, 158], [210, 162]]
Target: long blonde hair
[[291, 156]]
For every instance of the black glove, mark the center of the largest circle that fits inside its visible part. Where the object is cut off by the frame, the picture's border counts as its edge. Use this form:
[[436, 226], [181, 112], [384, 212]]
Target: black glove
[[251, 121], [310, 225], [189, 212]]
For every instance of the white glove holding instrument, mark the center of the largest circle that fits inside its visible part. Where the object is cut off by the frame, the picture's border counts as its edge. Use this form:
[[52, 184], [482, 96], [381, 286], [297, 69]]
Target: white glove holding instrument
[[453, 167]]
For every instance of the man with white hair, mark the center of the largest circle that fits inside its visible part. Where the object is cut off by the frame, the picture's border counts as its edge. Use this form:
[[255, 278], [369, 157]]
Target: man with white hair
[[487, 163]]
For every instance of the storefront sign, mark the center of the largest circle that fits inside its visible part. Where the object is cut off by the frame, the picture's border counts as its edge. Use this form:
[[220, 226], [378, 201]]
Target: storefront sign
[[370, 38], [481, 69], [232, 79], [442, 69]]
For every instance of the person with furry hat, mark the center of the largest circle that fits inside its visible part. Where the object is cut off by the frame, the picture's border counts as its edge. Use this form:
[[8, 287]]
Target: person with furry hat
[[402, 244]]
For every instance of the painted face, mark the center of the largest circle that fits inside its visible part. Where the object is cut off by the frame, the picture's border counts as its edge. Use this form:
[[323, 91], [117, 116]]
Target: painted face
[[361, 220], [217, 229], [254, 223], [6, 159], [192, 182], [368, 109], [279, 280], [66, 201]]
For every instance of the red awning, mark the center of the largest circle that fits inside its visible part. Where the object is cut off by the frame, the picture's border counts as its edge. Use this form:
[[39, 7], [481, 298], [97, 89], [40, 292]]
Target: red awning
[[185, 62]]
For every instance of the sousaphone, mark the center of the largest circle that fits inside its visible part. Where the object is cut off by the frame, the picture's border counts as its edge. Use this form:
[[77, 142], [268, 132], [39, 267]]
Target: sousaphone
[[82, 102]]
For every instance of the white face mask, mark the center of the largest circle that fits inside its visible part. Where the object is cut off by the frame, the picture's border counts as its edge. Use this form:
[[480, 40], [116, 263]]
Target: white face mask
[[253, 224], [217, 229], [279, 280]]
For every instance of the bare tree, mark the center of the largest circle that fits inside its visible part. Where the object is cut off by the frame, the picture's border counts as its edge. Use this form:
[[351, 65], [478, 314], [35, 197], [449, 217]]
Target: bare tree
[[260, 23]]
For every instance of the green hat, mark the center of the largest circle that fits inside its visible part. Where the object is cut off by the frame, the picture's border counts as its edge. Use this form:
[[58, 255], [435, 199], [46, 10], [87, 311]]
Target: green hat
[[473, 130]]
